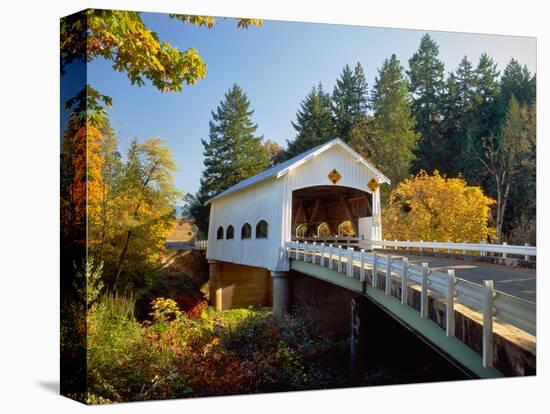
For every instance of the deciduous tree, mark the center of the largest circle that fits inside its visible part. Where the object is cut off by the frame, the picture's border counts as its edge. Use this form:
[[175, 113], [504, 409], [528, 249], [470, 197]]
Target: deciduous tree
[[504, 153], [437, 208], [122, 37], [145, 213]]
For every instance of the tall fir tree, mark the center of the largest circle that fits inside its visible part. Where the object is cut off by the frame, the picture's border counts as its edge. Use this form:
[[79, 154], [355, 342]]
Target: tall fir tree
[[394, 138], [458, 116], [466, 84], [487, 92], [516, 80], [314, 123], [486, 120], [232, 153], [426, 74], [450, 128], [349, 100]]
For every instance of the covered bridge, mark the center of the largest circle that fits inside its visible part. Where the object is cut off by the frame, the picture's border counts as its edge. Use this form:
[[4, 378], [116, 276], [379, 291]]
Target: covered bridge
[[329, 190]]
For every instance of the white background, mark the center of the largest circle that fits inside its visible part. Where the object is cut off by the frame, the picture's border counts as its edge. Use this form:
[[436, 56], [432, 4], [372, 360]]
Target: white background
[[29, 158]]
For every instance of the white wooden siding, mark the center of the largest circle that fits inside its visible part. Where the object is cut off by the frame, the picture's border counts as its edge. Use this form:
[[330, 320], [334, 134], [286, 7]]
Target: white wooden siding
[[271, 200]]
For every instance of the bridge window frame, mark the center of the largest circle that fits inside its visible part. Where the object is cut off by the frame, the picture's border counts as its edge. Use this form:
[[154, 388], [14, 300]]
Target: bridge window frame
[[230, 232], [246, 231], [262, 233], [301, 230], [219, 233]]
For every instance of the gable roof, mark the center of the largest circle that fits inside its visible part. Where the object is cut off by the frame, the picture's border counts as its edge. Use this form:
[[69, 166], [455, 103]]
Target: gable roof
[[285, 167]]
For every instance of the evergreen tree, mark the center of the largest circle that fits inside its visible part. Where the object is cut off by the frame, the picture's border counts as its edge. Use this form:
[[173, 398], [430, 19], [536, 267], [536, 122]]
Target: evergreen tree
[[361, 138], [393, 137], [486, 120], [426, 74], [451, 129], [349, 100], [516, 80], [466, 84], [314, 123], [486, 97], [231, 154]]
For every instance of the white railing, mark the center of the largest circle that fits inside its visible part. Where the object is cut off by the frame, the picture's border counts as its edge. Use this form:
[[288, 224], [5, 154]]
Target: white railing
[[336, 240], [526, 251], [441, 286], [201, 244]]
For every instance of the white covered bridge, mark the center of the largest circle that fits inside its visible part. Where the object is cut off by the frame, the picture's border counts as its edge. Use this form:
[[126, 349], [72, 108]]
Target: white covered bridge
[[319, 190], [258, 257]]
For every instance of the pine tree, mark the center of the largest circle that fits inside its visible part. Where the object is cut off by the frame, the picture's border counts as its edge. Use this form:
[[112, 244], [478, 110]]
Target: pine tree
[[349, 100], [426, 74], [314, 123], [393, 138], [231, 154]]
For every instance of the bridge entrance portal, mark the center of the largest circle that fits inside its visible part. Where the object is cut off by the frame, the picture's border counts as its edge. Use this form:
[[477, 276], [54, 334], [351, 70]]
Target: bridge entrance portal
[[331, 211]]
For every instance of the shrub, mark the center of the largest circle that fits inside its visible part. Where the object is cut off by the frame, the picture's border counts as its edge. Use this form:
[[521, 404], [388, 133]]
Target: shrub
[[174, 356]]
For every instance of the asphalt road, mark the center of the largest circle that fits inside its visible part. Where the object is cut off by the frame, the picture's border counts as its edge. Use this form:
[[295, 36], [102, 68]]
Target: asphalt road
[[516, 281]]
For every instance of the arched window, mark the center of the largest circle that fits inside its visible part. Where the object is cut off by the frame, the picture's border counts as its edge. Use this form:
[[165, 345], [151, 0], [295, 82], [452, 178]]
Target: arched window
[[230, 234], [246, 231], [323, 230], [345, 229], [301, 230], [261, 229], [219, 234]]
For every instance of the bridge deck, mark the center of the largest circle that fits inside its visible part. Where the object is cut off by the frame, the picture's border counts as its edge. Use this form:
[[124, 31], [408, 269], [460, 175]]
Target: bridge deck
[[510, 331], [520, 282]]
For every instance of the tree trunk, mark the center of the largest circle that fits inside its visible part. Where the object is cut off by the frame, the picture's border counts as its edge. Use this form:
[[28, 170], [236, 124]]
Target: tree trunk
[[122, 257], [499, 207]]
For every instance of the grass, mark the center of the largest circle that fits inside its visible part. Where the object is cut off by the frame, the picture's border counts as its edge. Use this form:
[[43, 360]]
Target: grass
[[235, 316]]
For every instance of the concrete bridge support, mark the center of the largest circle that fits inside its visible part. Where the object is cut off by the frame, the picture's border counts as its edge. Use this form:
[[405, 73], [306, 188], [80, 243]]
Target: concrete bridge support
[[281, 293], [216, 286]]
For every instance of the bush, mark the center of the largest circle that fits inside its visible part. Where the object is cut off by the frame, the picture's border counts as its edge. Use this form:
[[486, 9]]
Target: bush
[[174, 356]]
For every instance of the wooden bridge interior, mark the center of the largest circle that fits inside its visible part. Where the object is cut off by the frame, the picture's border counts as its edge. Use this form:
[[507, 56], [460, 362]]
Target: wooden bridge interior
[[323, 211]]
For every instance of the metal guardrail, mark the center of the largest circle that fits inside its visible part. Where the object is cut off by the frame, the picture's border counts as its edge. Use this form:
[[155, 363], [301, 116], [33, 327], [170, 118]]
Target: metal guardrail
[[481, 248], [484, 298]]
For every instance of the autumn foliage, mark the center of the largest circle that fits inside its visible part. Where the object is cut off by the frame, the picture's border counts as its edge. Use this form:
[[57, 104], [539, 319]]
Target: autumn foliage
[[172, 356], [437, 208]]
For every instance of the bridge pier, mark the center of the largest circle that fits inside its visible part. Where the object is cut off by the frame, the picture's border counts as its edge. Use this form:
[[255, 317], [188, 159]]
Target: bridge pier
[[358, 337], [216, 286], [281, 293]]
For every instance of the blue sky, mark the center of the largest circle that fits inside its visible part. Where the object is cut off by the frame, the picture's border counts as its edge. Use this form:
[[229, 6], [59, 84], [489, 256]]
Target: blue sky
[[276, 65]]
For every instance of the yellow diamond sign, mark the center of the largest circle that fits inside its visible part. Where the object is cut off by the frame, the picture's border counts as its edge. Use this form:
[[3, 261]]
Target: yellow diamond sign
[[334, 176], [373, 185]]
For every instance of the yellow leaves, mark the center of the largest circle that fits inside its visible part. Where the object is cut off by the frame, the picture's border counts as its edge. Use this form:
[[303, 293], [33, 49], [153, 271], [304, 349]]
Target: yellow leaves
[[437, 208], [246, 23], [123, 38]]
